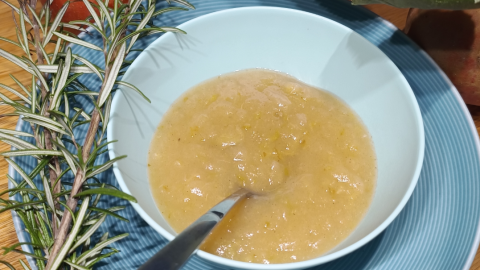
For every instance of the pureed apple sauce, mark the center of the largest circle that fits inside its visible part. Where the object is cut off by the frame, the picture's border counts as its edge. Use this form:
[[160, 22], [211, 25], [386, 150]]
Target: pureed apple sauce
[[304, 152]]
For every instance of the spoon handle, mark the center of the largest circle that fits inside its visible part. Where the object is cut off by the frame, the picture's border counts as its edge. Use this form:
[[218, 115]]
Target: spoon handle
[[177, 252]]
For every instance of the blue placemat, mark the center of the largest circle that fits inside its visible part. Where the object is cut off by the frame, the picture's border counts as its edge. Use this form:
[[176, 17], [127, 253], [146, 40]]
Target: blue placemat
[[438, 227]]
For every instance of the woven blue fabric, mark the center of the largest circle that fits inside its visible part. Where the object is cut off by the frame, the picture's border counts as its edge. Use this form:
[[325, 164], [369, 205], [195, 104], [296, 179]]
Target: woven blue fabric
[[437, 228]]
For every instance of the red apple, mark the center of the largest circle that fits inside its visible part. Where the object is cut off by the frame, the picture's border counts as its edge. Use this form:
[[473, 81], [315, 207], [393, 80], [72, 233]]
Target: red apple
[[75, 11], [452, 39]]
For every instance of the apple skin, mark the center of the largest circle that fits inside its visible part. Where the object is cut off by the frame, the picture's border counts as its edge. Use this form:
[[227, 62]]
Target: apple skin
[[452, 39], [75, 11]]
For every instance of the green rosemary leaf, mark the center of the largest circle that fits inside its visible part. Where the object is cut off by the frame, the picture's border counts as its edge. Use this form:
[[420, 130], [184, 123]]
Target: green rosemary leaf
[[107, 191], [94, 204], [10, 179], [40, 166], [14, 246], [108, 212], [76, 266], [135, 34], [20, 205], [71, 161], [114, 44], [40, 118], [48, 193], [98, 108], [164, 10], [46, 125], [6, 99], [44, 233], [79, 85], [62, 80], [39, 22], [7, 265], [55, 23], [106, 13], [80, 157], [19, 107], [142, 24], [75, 117], [129, 85], [37, 73], [74, 69], [123, 16], [13, 143], [163, 29], [93, 67], [66, 103], [57, 50], [34, 95], [106, 114], [11, 42], [89, 222], [69, 210], [103, 238], [99, 247], [96, 185], [82, 22], [134, 4], [58, 115], [94, 14], [45, 54], [24, 33], [29, 254], [15, 132], [12, 58], [115, 12], [31, 152], [101, 257], [120, 13], [72, 26], [104, 167], [185, 3], [24, 265], [65, 126], [20, 171], [73, 234], [60, 120], [77, 41], [116, 208], [110, 80], [20, 85], [77, 124], [27, 190], [60, 178], [88, 93], [88, 233], [60, 194]]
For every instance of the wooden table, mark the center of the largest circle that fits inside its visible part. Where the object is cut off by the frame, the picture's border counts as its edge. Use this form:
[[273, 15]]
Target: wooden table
[[7, 231]]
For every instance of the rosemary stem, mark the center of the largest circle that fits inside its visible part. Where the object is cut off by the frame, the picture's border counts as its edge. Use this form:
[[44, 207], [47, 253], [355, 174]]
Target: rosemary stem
[[79, 178]]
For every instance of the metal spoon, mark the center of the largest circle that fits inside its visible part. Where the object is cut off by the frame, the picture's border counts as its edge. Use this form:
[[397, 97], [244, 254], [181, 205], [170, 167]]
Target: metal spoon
[[177, 252]]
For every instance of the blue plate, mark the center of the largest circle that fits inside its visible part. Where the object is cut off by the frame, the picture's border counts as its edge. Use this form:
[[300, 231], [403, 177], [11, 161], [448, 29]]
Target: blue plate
[[438, 228]]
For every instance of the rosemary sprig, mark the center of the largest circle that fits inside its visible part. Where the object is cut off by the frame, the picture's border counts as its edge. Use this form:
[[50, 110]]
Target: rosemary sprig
[[61, 232]]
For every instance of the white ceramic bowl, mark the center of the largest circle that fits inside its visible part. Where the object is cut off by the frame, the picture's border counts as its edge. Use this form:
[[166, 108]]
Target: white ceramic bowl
[[315, 50]]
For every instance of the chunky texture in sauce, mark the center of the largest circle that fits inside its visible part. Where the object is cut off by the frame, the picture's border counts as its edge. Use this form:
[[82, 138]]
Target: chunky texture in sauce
[[306, 154]]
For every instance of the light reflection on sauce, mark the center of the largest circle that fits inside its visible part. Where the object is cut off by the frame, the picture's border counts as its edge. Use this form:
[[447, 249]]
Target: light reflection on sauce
[[304, 150]]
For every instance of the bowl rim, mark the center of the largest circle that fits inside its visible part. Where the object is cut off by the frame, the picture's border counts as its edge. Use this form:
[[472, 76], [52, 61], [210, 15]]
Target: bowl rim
[[293, 265]]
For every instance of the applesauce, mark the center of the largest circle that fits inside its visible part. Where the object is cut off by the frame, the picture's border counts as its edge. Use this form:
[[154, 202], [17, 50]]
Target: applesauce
[[304, 153]]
